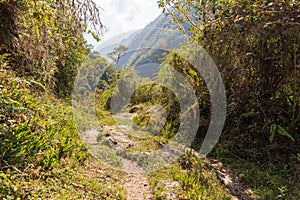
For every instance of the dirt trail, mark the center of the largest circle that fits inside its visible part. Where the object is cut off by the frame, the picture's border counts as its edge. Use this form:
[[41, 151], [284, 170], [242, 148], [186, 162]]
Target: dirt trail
[[136, 183], [137, 186]]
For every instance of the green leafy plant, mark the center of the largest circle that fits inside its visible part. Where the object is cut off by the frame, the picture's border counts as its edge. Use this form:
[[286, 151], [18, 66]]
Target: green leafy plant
[[280, 130]]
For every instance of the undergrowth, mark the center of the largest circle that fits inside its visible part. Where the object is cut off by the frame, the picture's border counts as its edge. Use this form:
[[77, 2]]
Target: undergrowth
[[41, 153], [278, 180], [196, 180]]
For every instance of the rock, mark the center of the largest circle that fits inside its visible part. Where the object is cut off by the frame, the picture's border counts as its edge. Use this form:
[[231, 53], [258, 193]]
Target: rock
[[131, 144], [90, 136], [241, 176], [121, 152], [110, 142], [125, 128], [135, 108], [171, 196], [161, 144], [171, 184], [99, 138], [147, 153]]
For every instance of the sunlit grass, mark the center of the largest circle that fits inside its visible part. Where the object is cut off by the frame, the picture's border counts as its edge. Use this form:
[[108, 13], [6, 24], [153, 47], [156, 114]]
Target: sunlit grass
[[195, 178]]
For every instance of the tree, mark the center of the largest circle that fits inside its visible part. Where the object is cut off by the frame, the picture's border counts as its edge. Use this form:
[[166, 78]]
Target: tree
[[256, 45], [117, 53], [45, 38]]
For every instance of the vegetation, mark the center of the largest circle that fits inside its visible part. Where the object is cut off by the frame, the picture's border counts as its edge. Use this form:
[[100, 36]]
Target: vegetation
[[195, 178], [46, 41], [41, 152], [117, 53], [42, 156], [256, 47]]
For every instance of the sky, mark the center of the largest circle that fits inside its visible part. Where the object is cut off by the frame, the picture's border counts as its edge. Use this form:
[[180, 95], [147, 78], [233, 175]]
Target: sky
[[121, 16]]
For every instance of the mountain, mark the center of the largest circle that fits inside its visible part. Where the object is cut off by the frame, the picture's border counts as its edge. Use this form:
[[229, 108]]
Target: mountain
[[147, 47]]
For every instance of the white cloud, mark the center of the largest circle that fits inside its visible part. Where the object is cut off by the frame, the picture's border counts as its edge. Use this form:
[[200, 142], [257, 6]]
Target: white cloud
[[127, 15]]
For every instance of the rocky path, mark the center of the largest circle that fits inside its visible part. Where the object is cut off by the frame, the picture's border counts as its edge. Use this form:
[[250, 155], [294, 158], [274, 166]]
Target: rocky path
[[137, 186], [136, 183]]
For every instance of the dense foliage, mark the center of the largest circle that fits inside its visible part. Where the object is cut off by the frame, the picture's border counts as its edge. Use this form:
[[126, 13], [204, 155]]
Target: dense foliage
[[45, 38], [255, 45], [35, 136], [41, 154]]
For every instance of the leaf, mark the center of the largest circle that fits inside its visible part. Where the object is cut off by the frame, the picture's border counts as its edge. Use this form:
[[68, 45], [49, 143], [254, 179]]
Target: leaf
[[13, 102], [39, 84], [272, 132], [3, 176], [284, 132]]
